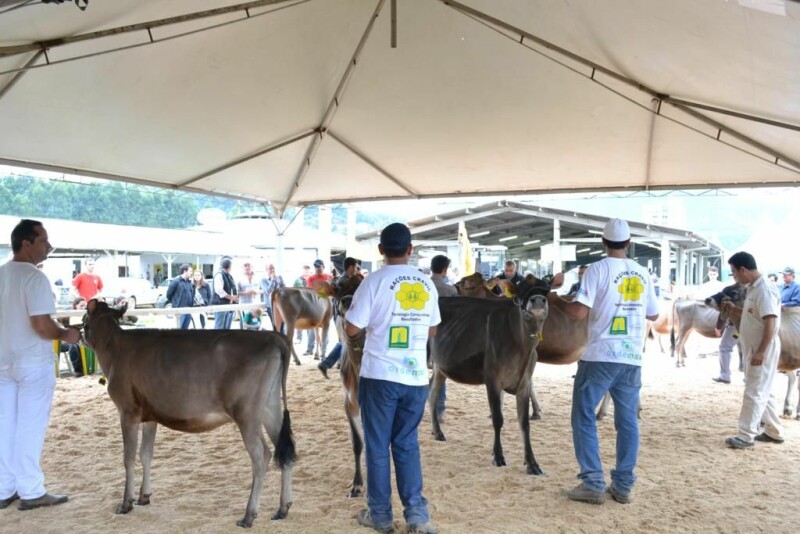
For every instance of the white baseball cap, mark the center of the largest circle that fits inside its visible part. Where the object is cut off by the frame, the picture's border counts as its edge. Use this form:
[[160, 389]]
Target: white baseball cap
[[616, 230]]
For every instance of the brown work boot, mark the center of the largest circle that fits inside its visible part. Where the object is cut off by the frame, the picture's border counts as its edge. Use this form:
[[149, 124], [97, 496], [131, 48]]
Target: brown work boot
[[45, 500]]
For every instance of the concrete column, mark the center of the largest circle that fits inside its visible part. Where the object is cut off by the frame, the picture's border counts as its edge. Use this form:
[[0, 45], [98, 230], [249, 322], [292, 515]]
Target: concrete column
[[665, 266], [557, 268], [324, 236]]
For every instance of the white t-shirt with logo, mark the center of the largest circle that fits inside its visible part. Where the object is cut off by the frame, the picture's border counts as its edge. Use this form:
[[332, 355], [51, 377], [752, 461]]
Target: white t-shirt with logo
[[396, 305], [763, 299], [620, 294], [24, 292]]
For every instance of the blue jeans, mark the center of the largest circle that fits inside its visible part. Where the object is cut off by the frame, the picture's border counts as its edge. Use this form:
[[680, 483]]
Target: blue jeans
[[223, 320], [333, 356], [390, 415], [591, 383], [186, 320], [310, 346]]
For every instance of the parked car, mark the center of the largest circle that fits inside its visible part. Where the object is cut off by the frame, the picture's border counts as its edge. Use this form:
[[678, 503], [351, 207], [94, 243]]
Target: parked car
[[135, 291]]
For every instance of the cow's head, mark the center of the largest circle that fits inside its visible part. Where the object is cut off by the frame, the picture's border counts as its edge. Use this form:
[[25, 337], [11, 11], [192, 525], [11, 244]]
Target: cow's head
[[532, 286], [536, 308], [98, 313], [472, 286], [735, 293]]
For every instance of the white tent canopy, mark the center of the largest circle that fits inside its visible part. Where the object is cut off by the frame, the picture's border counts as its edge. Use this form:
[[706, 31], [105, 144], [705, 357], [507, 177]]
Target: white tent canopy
[[306, 101]]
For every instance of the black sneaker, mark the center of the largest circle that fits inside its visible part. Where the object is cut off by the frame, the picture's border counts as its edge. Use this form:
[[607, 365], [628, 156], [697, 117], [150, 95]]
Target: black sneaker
[[720, 380], [323, 370], [45, 500], [765, 438], [737, 443], [5, 503]]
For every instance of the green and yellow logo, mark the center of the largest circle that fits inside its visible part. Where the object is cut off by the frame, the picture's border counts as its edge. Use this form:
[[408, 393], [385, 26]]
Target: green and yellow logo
[[412, 296], [398, 337], [619, 326], [631, 288]]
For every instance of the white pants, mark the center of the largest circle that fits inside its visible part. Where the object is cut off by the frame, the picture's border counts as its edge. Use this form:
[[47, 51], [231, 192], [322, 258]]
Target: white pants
[[26, 396], [760, 402]]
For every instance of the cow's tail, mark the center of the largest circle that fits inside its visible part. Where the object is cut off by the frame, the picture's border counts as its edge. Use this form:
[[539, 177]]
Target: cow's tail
[[672, 330], [285, 453]]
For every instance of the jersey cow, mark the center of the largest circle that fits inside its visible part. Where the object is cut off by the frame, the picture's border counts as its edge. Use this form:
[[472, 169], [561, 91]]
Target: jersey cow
[[491, 342], [302, 308], [194, 381]]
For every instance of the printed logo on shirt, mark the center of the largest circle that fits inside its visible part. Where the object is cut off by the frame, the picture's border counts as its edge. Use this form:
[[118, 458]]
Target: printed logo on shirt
[[631, 288], [398, 337], [619, 326], [412, 296]]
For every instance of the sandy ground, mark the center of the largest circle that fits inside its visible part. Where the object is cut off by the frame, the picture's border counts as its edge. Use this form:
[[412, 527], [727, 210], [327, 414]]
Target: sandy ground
[[689, 481]]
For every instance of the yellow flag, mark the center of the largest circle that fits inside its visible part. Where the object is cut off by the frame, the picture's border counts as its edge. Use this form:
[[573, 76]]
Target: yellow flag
[[466, 263]]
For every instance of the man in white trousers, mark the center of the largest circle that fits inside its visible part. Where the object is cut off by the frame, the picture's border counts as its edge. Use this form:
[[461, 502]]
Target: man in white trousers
[[27, 380], [758, 334]]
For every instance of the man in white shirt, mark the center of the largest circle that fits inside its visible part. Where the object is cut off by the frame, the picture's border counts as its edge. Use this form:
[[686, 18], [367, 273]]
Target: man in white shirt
[[761, 347], [618, 296], [27, 381], [398, 307]]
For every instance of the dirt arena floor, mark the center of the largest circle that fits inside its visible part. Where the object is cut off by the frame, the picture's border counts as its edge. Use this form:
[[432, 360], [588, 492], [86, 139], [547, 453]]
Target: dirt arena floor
[[689, 481]]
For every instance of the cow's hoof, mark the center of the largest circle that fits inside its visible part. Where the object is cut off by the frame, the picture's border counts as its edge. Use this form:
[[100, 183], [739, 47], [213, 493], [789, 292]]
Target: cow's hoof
[[599, 416], [282, 512], [535, 470], [439, 436], [787, 412], [246, 521], [144, 500], [125, 507], [499, 462], [355, 493], [536, 416]]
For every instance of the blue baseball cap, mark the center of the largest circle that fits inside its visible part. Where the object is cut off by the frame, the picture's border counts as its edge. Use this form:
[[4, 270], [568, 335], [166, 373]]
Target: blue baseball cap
[[396, 236]]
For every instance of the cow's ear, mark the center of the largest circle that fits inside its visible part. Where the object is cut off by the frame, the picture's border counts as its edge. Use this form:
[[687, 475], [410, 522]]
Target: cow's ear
[[558, 281], [91, 306], [507, 287], [119, 312]]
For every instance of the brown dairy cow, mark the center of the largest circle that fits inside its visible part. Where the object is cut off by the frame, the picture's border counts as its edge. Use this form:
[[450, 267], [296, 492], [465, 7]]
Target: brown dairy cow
[[195, 381], [495, 343], [303, 308], [689, 316]]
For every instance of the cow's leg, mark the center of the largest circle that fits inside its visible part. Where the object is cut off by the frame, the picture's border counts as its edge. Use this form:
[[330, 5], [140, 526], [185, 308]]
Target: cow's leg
[[436, 386], [495, 395], [357, 438], [290, 337], [256, 446], [523, 396], [318, 343], [273, 423], [603, 410], [146, 457], [536, 407], [787, 403], [323, 346], [681, 348], [130, 439], [797, 411]]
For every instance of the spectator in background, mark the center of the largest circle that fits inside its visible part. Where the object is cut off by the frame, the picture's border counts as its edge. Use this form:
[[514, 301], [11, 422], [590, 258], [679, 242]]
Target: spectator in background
[[509, 273], [73, 349], [270, 283], [180, 294], [576, 287], [439, 266], [202, 294], [247, 287], [319, 276], [224, 293], [790, 293], [87, 284]]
